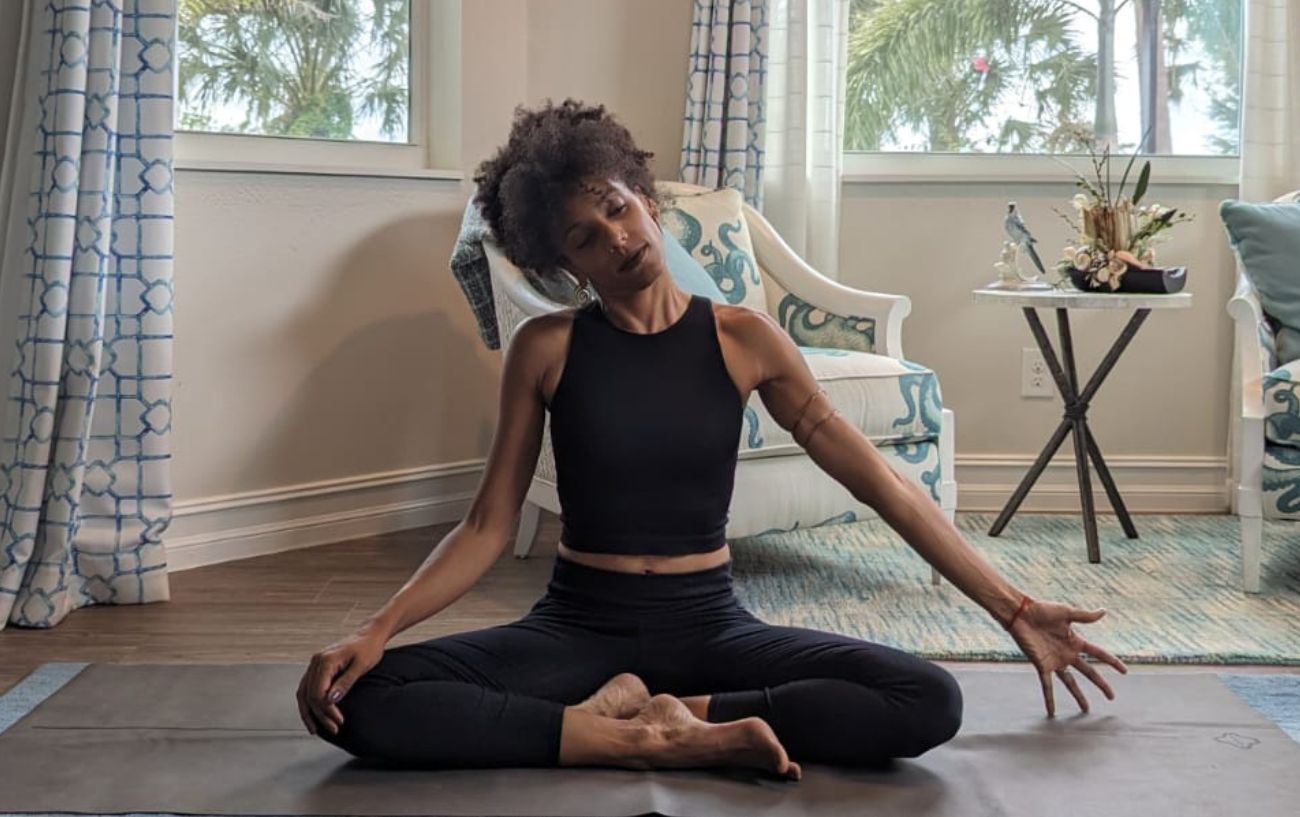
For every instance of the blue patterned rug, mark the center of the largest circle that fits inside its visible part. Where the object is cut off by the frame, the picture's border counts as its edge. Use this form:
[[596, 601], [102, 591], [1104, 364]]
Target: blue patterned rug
[[1172, 596]]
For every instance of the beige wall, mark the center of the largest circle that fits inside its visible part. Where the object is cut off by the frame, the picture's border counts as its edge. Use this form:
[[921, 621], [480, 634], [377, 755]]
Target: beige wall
[[936, 242], [319, 334], [631, 56]]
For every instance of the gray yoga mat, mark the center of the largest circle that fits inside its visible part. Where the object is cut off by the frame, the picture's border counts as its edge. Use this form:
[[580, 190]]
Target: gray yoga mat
[[217, 739]]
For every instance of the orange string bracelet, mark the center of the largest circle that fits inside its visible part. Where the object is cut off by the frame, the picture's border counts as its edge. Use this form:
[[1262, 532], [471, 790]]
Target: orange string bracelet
[[1024, 602]]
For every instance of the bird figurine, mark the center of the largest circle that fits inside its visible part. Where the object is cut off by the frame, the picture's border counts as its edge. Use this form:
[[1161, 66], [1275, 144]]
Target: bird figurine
[[1019, 233]]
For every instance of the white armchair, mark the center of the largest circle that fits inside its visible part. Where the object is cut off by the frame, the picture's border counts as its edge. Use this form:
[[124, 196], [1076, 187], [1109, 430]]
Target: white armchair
[[1263, 440], [852, 341]]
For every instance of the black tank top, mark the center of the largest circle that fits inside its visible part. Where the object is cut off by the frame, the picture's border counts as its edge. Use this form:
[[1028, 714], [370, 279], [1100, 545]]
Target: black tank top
[[645, 431]]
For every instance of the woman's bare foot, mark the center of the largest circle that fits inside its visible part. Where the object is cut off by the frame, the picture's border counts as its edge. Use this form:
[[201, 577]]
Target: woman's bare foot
[[677, 739], [622, 696]]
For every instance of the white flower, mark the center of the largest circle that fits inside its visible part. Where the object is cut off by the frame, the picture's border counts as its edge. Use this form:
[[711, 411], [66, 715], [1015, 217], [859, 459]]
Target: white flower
[[1080, 201], [1082, 259]]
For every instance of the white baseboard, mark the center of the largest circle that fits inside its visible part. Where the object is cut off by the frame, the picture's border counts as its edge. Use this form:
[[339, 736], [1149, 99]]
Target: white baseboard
[[1146, 484], [238, 526]]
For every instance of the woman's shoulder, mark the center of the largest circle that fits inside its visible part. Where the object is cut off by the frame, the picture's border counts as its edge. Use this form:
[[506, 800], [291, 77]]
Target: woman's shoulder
[[742, 323], [752, 341], [545, 339]]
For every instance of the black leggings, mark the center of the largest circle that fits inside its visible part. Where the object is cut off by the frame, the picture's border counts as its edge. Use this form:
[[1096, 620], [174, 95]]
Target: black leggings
[[496, 697]]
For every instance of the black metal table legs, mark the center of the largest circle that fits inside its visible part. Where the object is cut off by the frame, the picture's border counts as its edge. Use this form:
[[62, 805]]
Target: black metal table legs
[[1075, 421]]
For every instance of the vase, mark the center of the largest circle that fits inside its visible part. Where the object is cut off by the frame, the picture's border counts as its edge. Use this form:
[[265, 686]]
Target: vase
[[1149, 280]]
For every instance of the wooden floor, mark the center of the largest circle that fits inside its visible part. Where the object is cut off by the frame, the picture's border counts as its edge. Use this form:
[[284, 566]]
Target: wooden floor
[[285, 606]]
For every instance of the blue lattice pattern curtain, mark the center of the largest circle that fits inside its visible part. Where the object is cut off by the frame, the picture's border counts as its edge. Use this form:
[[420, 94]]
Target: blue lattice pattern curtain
[[722, 137], [85, 452]]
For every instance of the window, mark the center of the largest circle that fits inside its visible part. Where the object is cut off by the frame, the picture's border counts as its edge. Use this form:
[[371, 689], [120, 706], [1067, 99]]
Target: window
[[326, 83], [1043, 76]]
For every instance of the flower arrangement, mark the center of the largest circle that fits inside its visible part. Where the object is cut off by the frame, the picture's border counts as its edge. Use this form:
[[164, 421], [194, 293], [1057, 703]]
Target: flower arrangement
[[1115, 232]]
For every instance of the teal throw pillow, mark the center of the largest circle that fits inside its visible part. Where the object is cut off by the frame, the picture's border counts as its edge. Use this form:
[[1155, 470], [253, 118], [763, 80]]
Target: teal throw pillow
[[1267, 240], [687, 272]]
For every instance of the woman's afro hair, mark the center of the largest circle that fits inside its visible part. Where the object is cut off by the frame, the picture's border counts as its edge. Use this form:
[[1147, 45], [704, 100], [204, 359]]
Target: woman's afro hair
[[551, 150]]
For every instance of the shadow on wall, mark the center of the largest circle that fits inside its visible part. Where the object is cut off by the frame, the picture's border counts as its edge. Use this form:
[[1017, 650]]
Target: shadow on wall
[[394, 374]]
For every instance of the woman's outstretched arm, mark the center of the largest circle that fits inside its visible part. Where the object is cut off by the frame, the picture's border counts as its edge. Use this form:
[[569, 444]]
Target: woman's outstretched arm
[[794, 399]]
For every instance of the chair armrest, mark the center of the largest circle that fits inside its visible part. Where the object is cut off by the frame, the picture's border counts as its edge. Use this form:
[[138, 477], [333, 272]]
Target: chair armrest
[[514, 296], [1252, 356], [785, 266]]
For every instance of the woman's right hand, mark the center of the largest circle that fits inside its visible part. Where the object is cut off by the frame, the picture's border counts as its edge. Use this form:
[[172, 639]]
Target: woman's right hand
[[330, 675]]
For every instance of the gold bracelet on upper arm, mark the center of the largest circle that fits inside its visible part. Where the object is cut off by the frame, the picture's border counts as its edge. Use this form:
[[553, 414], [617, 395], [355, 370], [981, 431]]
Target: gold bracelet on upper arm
[[817, 426], [804, 410]]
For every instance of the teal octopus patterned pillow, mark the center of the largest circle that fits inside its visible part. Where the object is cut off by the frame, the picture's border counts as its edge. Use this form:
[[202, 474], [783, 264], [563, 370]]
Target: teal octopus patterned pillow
[[711, 227], [687, 272]]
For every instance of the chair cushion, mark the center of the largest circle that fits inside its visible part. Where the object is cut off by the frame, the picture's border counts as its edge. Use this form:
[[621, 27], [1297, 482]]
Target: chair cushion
[[1266, 238], [891, 401], [1282, 405], [778, 494], [1280, 481], [711, 226]]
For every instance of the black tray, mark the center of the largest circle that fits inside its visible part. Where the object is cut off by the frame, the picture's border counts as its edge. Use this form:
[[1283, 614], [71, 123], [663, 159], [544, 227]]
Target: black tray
[[1150, 280]]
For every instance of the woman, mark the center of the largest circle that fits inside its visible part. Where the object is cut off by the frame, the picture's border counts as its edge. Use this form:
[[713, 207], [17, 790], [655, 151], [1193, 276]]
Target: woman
[[639, 654]]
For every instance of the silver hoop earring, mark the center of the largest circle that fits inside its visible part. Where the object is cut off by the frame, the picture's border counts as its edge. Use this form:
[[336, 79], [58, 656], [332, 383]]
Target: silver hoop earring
[[583, 294]]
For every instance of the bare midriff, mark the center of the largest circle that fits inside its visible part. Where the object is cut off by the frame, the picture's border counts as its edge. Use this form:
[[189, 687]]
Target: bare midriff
[[687, 563]]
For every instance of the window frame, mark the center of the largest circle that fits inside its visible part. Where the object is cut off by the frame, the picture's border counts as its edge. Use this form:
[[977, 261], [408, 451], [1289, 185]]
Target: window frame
[[435, 114]]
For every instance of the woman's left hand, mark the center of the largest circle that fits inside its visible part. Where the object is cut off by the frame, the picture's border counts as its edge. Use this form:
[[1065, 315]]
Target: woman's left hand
[[1044, 635]]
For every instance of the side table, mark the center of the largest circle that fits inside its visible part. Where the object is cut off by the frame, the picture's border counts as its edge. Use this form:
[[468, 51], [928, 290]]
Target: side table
[[1076, 399]]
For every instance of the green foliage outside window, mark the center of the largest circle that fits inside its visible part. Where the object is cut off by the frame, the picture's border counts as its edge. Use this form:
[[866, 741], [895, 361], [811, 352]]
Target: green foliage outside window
[[1027, 76], [306, 68]]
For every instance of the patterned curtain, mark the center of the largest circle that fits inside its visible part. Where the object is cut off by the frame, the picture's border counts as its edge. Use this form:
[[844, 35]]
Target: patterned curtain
[[85, 483], [805, 134], [722, 135], [1270, 120]]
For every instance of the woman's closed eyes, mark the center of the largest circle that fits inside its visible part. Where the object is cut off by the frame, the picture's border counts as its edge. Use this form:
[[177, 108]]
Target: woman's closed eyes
[[586, 237]]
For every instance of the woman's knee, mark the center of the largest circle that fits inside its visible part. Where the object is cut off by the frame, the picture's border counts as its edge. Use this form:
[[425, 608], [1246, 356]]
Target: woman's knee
[[361, 733], [937, 711]]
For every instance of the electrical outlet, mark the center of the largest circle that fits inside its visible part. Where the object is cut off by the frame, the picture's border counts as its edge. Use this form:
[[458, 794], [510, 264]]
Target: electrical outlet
[[1035, 378]]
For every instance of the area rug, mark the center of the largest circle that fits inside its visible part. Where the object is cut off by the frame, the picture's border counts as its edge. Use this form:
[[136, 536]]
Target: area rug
[[1172, 595]]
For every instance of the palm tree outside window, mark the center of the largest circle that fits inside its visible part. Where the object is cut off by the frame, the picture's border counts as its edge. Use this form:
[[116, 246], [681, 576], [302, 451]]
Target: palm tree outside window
[[1044, 76]]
